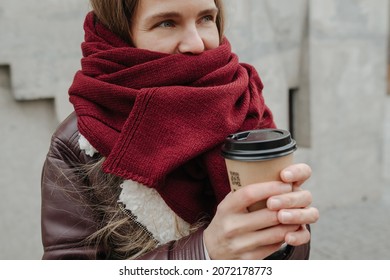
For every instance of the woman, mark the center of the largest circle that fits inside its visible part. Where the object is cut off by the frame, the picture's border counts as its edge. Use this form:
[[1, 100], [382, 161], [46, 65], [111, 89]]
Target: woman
[[136, 171]]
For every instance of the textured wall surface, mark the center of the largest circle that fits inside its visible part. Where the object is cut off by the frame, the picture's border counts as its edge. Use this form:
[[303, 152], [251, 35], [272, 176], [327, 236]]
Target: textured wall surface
[[347, 66], [25, 129], [40, 41]]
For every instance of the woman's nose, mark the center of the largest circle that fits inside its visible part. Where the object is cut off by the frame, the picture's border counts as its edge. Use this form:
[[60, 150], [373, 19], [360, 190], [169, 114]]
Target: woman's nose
[[191, 42]]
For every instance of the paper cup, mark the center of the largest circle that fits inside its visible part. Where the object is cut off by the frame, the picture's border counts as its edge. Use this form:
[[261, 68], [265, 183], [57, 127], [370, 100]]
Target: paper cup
[[257, 156]]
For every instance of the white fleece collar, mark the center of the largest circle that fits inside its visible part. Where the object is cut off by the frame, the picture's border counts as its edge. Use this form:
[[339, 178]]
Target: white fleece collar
[[86, 146], [147, 206]]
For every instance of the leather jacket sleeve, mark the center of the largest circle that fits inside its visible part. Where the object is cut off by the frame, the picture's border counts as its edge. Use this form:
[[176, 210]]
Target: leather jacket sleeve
[[66, 221]]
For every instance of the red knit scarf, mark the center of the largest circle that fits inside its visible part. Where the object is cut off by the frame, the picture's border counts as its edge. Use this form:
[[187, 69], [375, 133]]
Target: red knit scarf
[[160, 119]]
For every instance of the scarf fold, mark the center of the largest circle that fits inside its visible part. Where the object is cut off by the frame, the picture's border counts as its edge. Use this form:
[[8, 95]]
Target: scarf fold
[[160, 119]]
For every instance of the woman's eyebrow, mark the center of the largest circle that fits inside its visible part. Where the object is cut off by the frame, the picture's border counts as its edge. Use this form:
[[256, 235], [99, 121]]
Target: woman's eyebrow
[[165, 15], [162, 16], [209, 11]]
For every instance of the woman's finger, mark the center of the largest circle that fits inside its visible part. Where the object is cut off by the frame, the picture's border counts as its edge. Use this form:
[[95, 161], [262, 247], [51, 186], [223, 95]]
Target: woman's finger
[[252, 240], [240, 224], [296, 173], [295, 199], [298, 216], [299, 237], [241, 199]]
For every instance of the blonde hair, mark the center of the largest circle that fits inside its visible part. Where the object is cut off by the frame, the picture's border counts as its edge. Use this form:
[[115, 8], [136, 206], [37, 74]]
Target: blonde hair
[[119, 232]]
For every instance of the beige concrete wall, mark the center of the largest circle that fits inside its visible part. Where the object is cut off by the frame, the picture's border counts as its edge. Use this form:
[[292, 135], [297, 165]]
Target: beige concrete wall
[[25, 129], [347, 67], [40, 41]]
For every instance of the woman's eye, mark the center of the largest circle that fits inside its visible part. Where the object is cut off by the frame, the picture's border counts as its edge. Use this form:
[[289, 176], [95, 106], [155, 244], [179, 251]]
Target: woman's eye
[[208, 18], [166, 24]]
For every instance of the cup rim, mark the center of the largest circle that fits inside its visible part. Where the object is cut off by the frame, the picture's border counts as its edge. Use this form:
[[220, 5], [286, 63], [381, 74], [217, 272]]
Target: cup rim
[[258, 144]]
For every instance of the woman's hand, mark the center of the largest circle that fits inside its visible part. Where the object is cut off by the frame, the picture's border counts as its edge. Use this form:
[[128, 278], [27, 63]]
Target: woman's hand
[[235, 233], [294, 208]]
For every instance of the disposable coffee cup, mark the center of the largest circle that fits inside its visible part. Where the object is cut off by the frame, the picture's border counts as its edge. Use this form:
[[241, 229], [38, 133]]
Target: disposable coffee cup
[[257, 156]]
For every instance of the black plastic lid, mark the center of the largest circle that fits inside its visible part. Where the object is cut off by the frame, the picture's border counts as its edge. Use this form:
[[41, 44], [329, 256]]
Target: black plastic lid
[[255, 145]]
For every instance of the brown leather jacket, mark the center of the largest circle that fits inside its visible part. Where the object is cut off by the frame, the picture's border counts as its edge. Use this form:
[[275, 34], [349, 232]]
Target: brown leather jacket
[[66, 223]]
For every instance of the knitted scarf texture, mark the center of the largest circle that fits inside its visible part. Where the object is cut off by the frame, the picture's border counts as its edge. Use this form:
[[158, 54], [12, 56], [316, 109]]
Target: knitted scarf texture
[[161, 119]]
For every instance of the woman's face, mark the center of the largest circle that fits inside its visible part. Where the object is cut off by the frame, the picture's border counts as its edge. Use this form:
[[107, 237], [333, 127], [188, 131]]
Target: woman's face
[[175, 26]]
